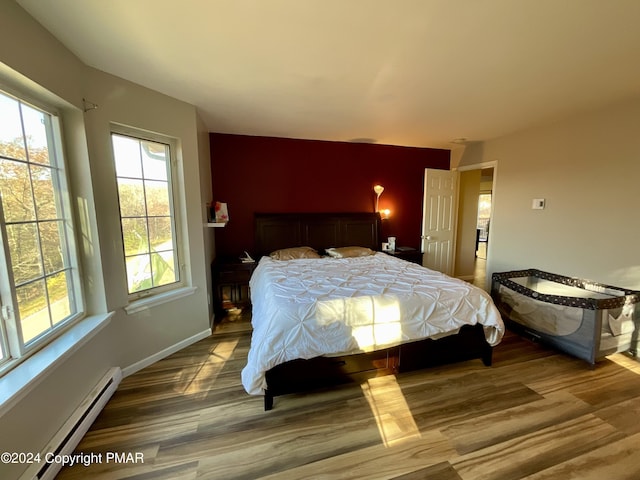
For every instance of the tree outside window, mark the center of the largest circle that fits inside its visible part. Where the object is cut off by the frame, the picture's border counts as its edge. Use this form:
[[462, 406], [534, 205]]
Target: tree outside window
[[39, 289], [143, 171]]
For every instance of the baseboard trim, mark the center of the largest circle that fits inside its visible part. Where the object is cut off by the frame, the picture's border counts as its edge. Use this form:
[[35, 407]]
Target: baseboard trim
[[68, 437], [145, 362]]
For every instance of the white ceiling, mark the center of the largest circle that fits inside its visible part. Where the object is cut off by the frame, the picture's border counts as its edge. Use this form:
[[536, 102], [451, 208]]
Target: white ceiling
[[403, 72]]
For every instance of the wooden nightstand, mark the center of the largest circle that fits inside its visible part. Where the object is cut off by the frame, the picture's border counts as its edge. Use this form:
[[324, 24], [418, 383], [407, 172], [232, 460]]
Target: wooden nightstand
[[412, 255], [230, 279]]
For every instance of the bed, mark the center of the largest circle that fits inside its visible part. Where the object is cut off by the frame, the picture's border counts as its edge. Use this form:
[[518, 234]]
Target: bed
[[323, 321], [582, 318]]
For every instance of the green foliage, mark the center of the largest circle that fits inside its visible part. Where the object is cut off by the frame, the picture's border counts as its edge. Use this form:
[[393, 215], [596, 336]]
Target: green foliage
[[145, 211], [36, 246]]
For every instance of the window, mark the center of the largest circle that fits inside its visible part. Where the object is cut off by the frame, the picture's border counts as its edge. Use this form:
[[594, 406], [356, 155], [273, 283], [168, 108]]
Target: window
[[147, 216], [38, 274]]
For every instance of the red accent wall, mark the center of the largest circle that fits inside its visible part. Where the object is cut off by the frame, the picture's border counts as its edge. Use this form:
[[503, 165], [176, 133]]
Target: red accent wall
[[268, 174]]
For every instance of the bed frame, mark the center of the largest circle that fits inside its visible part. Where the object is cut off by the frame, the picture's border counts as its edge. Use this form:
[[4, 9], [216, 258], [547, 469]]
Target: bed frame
[[323, 230]]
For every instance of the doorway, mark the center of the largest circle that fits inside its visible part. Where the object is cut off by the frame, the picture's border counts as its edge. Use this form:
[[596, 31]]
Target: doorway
[[474, 221]]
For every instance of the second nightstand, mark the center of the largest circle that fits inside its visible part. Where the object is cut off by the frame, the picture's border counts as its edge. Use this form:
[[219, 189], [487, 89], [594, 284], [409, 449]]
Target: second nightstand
[[411, 255]]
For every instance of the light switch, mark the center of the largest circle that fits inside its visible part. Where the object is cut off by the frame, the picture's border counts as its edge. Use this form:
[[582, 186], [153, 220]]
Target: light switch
[[538, 204]]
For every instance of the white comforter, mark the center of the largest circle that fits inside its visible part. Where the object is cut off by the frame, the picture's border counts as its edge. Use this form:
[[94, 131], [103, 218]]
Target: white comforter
[[311, 307]]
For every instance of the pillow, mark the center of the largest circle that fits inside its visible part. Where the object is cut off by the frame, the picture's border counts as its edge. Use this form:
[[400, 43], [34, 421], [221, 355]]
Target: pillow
[[294, 253], [346, 252]]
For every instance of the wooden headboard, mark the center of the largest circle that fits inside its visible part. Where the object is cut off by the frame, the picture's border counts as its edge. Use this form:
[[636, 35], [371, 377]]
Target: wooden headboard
[[317, 230]]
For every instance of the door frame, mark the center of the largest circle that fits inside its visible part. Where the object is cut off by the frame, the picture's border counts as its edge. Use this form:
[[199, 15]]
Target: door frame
[[479, 166]]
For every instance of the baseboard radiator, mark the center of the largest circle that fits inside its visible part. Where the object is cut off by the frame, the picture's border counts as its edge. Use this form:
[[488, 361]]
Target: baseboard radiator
[[68, 437]]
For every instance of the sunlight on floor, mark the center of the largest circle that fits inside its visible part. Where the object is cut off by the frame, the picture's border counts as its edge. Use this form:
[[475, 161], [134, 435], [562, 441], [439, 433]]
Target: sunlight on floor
[[200, 381], [390, 409], [624, 361]]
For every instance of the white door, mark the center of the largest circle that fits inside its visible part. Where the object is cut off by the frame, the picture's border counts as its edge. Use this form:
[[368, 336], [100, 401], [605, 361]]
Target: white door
[[439, 219]]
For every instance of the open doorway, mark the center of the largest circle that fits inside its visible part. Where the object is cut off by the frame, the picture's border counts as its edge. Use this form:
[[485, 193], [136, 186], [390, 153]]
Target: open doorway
[[474, 223]]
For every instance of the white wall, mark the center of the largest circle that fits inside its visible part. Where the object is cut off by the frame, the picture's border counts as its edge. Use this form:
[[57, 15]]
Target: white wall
[[31, 60], [587, 168], [145, 333]]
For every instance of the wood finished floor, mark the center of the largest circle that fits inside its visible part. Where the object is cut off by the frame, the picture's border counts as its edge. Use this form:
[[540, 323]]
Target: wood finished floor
[[535, 414]]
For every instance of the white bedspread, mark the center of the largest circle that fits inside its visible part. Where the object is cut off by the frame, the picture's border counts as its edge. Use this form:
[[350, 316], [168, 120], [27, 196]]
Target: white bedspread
[[311, 307]]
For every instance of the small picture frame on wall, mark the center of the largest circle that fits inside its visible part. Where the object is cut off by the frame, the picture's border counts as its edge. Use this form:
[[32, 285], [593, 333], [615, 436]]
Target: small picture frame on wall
[[221, 212], [217, 212]]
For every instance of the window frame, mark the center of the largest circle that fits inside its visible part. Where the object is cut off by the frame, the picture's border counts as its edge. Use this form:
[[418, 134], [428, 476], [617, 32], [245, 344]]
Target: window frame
[[15, 349], [174, 204]]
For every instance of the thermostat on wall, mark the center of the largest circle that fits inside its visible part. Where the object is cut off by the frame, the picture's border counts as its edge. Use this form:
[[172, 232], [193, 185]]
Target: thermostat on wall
[[538, 204]]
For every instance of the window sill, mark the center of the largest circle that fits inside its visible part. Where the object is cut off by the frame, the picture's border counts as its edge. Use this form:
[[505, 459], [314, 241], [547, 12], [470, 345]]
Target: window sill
[[152, 301], [19, 381]]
